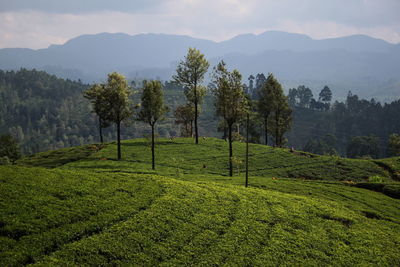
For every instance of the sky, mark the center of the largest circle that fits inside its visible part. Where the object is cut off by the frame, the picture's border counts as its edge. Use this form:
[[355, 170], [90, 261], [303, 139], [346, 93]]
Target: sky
[[39, 23]]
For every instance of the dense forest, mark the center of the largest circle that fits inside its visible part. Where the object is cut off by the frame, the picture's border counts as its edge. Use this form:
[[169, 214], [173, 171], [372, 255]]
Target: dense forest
[[44, 112]]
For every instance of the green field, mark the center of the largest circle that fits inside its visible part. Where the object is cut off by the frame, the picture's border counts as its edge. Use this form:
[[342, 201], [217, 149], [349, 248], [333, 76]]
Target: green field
[[86, 208]]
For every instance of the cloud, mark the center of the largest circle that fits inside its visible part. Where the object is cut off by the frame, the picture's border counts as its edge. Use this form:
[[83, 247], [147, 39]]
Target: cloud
[[80, 6], [37, 24]]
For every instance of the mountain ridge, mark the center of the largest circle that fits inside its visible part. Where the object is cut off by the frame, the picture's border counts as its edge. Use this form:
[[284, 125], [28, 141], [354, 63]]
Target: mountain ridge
[[290, 56]]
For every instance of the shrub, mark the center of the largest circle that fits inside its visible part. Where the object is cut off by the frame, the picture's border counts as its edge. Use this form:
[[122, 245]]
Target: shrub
[[375, 179]]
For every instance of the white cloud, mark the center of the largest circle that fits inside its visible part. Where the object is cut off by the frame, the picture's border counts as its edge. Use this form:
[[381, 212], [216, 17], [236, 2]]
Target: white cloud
[[211, 19]]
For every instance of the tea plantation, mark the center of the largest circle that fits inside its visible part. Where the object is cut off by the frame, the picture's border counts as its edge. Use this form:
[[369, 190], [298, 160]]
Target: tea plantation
[[86, 208]]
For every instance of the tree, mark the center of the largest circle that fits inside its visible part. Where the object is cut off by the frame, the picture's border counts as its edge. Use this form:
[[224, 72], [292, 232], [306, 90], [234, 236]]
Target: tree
[[9, 148], [260, 80], [281, 114], [292, 96], [185, 115], [304, 94], [230, 100], [394, 145], [251, 84], [117, 103], [152, 109], [265, 102], [96, 95], [325, 95], [322, 146], [363, 146], [190, 74]]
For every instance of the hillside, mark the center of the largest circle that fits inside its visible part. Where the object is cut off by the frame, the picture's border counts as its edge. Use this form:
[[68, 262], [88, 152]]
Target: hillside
[[211, 157], [87, 208]]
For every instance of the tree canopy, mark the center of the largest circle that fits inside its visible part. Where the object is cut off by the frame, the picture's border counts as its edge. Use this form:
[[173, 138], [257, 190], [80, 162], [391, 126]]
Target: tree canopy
[[190, 74]]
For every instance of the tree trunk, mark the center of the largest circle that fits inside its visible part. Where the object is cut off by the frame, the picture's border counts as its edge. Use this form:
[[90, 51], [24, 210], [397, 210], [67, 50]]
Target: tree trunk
[[247, 150], [100, 130], [195, 114], [230, 150], [266, 129], [119, 139], [152, 148]]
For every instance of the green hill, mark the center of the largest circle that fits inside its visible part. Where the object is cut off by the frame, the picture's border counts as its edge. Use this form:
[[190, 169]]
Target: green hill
[[94, 210], [180, 155]]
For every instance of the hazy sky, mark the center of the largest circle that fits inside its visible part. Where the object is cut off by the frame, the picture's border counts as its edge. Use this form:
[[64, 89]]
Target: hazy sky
[[39, 23]]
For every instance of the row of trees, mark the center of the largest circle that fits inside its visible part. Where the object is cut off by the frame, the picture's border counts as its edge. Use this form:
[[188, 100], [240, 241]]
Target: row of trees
[[347, 128], [112, 104]]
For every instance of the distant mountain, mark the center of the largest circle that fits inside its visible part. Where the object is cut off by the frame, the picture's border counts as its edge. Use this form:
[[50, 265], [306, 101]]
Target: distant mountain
[[292, 57]]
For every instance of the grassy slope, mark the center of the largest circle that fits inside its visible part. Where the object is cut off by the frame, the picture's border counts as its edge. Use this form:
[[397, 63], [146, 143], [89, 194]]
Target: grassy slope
[[101, 211], [66, 217], [210, 157]]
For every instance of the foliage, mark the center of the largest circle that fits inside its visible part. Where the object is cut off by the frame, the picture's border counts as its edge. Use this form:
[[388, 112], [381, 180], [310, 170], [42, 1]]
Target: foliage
[[394, 145], [190, 74], [375, 179], [280, 120], [360, 146], [325, 95], [9, 147], [152, 105], [44, 112], [265, 104], [323, 146], [97, 96]]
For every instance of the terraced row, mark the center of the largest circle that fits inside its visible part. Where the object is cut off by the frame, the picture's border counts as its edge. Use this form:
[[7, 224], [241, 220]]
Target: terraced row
[[58, 217], [42, 210]]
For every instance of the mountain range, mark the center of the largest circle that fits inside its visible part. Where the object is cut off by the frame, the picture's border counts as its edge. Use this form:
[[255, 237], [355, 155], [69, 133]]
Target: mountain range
[[367, 66]]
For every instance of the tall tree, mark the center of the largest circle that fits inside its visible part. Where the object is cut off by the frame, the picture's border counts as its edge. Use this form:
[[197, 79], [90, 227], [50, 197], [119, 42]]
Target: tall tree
[[230, 100], [152, 109], [190, 74], [265, 102], [281, 113], [96, 95], [260, 80], [325, 95], [251, 83], [117, 103], [304, 94]]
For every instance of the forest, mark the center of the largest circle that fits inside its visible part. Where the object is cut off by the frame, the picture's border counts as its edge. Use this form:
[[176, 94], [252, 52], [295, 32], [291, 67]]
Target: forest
[[43, 112]]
